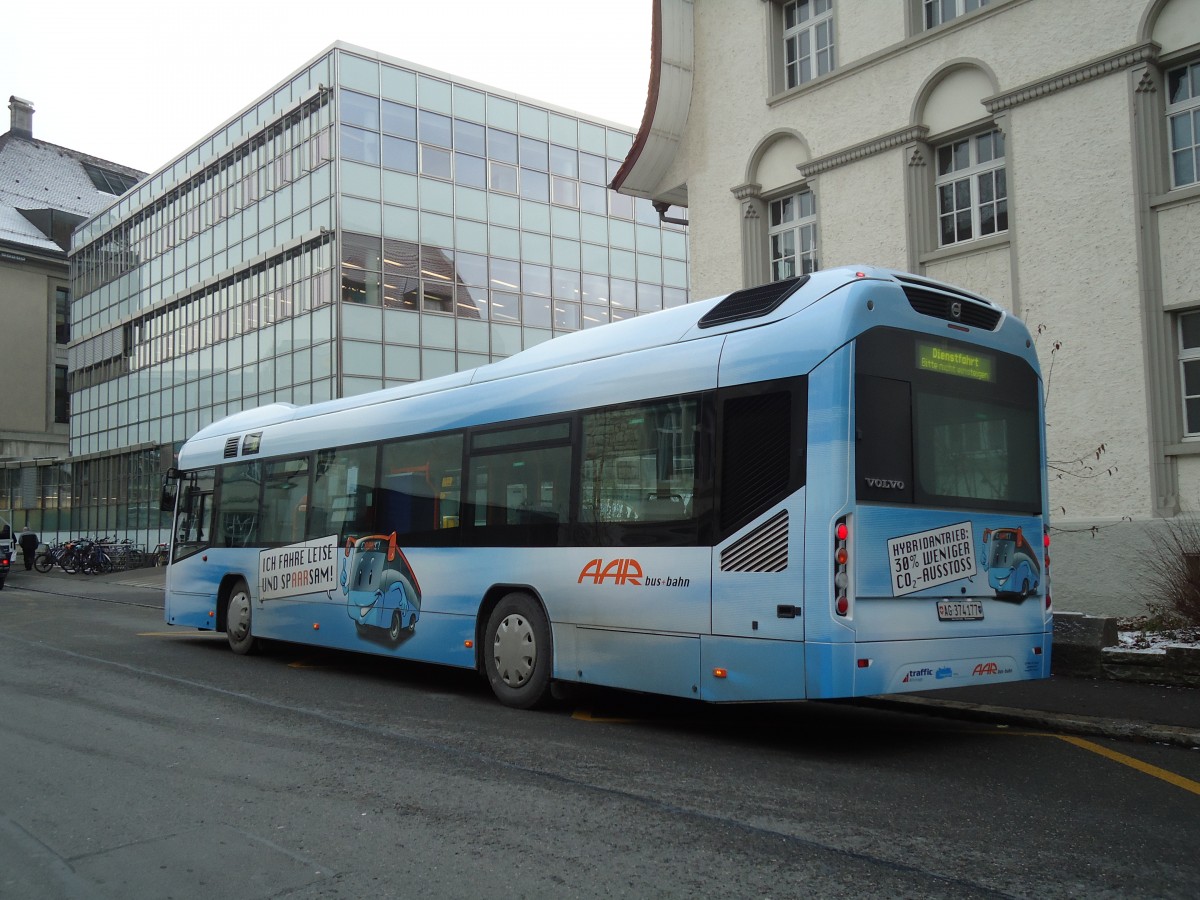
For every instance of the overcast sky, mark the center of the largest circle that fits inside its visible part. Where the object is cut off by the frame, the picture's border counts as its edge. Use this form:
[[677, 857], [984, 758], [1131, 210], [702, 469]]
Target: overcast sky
[[138, 82]]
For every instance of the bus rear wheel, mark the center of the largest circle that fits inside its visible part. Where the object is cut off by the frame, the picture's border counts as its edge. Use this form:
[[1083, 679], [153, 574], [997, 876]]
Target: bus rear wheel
[[237, 620], [517, 655]]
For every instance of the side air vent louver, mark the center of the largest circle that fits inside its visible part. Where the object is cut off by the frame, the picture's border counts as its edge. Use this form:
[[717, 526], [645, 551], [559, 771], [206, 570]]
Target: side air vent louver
[[231, 448], [765, 549], [751, 303], [961, 308]]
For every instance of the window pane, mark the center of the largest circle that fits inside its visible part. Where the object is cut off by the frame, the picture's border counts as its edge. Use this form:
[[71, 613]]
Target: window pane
[[564, 161], [1193, 416], [946, 198], [534, 154], [359, 109], [962, 155], [1181, 131], [419, 487], [639, 463], [1183, 167], [359, 145], [285, 487], [503, 178], [399, 119], [469, 137], [502, 145], [435, 162], [1191, 378], [1189, 331], [945, 160], [535, 186], [343, 496], [399, 155], [470, 170], [435, 129]]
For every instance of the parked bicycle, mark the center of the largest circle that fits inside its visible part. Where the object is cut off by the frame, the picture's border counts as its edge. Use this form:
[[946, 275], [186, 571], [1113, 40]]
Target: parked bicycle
[[63, 555]]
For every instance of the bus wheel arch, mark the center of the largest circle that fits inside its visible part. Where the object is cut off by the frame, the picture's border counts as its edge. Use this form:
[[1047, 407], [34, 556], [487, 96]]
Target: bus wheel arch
[[515, 646]]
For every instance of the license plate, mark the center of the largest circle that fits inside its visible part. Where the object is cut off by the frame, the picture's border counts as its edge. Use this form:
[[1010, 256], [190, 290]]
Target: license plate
[[960, 610]]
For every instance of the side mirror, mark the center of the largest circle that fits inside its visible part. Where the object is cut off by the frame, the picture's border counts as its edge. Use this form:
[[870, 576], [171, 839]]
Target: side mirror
[[170, 487]]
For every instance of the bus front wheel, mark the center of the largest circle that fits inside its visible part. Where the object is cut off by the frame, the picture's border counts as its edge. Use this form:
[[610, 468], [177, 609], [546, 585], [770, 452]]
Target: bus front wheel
[[517, 656], [237, 620]]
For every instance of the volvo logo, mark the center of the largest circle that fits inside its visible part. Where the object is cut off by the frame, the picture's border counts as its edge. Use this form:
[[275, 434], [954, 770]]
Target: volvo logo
[[956, 309], [887, 484]]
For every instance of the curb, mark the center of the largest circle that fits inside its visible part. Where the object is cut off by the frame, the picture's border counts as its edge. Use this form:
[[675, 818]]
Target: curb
[[1177, 736]]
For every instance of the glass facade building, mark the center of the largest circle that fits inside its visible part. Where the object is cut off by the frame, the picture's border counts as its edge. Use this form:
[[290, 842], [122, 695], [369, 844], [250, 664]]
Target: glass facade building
[[366, 223]]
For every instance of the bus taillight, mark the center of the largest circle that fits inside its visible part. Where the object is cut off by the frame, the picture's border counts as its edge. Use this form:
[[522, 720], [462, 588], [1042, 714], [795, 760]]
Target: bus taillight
[[841, 560], [1046, 565]]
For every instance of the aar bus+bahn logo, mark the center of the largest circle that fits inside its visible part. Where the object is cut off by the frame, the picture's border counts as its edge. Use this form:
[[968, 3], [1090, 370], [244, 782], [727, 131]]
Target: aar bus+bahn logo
[[623, 571]]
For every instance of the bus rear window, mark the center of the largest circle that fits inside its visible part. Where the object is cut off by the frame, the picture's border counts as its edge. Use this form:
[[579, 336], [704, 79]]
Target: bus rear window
[[943, 435]]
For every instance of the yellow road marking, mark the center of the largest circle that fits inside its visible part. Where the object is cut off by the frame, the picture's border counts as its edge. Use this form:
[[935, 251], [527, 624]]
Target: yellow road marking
[[585, 715], [312, 662], [1154, 771]]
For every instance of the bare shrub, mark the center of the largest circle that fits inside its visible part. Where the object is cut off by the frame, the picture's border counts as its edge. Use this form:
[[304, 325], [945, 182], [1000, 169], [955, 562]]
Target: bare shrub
[[1173, 578]]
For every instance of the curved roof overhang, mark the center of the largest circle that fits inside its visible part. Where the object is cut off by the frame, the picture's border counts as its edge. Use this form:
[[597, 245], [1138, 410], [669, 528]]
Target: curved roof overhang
[[667, 103]]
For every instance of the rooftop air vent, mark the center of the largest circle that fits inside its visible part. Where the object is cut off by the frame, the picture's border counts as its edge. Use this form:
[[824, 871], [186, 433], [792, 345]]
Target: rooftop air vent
[[231, 448], [951, 305], [751, 303]]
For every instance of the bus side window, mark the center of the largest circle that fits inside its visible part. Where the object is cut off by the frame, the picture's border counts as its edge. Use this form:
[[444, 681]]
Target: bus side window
[[520, 482], [285, 494], [639, 463], [237, 517], [419, 487], [343, 494]]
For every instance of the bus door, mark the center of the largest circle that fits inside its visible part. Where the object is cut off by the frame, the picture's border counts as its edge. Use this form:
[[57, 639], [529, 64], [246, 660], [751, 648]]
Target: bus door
[[758, 562]]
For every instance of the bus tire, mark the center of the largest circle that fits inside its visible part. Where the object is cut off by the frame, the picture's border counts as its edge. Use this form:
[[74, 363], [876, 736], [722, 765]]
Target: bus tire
[[238, 629], [397, 628], [517, 652]]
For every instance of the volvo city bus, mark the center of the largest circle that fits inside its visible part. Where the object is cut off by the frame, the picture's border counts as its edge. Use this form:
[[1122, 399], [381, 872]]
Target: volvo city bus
[[787, 492]]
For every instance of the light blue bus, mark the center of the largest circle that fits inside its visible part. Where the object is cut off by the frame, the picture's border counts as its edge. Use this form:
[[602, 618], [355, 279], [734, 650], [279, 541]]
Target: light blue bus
[[783, 493]]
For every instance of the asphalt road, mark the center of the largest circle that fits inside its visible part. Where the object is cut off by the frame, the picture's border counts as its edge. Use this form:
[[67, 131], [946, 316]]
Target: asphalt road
[[140, 761]]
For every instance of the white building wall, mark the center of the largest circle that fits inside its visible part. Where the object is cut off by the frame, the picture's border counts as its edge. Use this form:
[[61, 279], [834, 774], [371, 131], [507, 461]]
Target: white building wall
[[872, 188]]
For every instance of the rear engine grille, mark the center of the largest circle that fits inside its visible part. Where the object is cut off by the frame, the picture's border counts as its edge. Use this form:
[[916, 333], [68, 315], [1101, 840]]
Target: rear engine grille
[[751, 303], [960, 308]]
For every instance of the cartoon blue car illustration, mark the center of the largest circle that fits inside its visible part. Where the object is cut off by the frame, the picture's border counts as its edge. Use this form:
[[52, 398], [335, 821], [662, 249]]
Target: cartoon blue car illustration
[[380, 587], [1012, 564]]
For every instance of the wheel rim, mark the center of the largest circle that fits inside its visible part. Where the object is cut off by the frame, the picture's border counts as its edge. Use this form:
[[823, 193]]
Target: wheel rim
[[515, 650], [238, 624]]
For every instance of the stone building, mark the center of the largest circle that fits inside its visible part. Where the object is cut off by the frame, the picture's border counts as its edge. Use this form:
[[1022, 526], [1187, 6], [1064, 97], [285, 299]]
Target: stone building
[[45, 192], [1044, 154]]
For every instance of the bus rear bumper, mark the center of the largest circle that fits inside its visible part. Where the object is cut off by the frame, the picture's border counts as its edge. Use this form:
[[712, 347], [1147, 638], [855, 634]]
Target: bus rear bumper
[[890, 667]]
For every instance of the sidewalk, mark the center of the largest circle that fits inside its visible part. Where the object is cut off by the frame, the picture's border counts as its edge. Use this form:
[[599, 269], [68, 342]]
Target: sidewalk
[[1097, 707], [1065, 703]]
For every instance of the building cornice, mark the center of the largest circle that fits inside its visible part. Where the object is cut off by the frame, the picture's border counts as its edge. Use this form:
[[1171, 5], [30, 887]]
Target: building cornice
[[861, 151], [747, 191], [1089, 71]]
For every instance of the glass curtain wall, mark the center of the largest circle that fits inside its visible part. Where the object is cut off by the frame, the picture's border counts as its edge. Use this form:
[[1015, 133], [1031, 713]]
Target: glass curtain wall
[[365, 224]]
